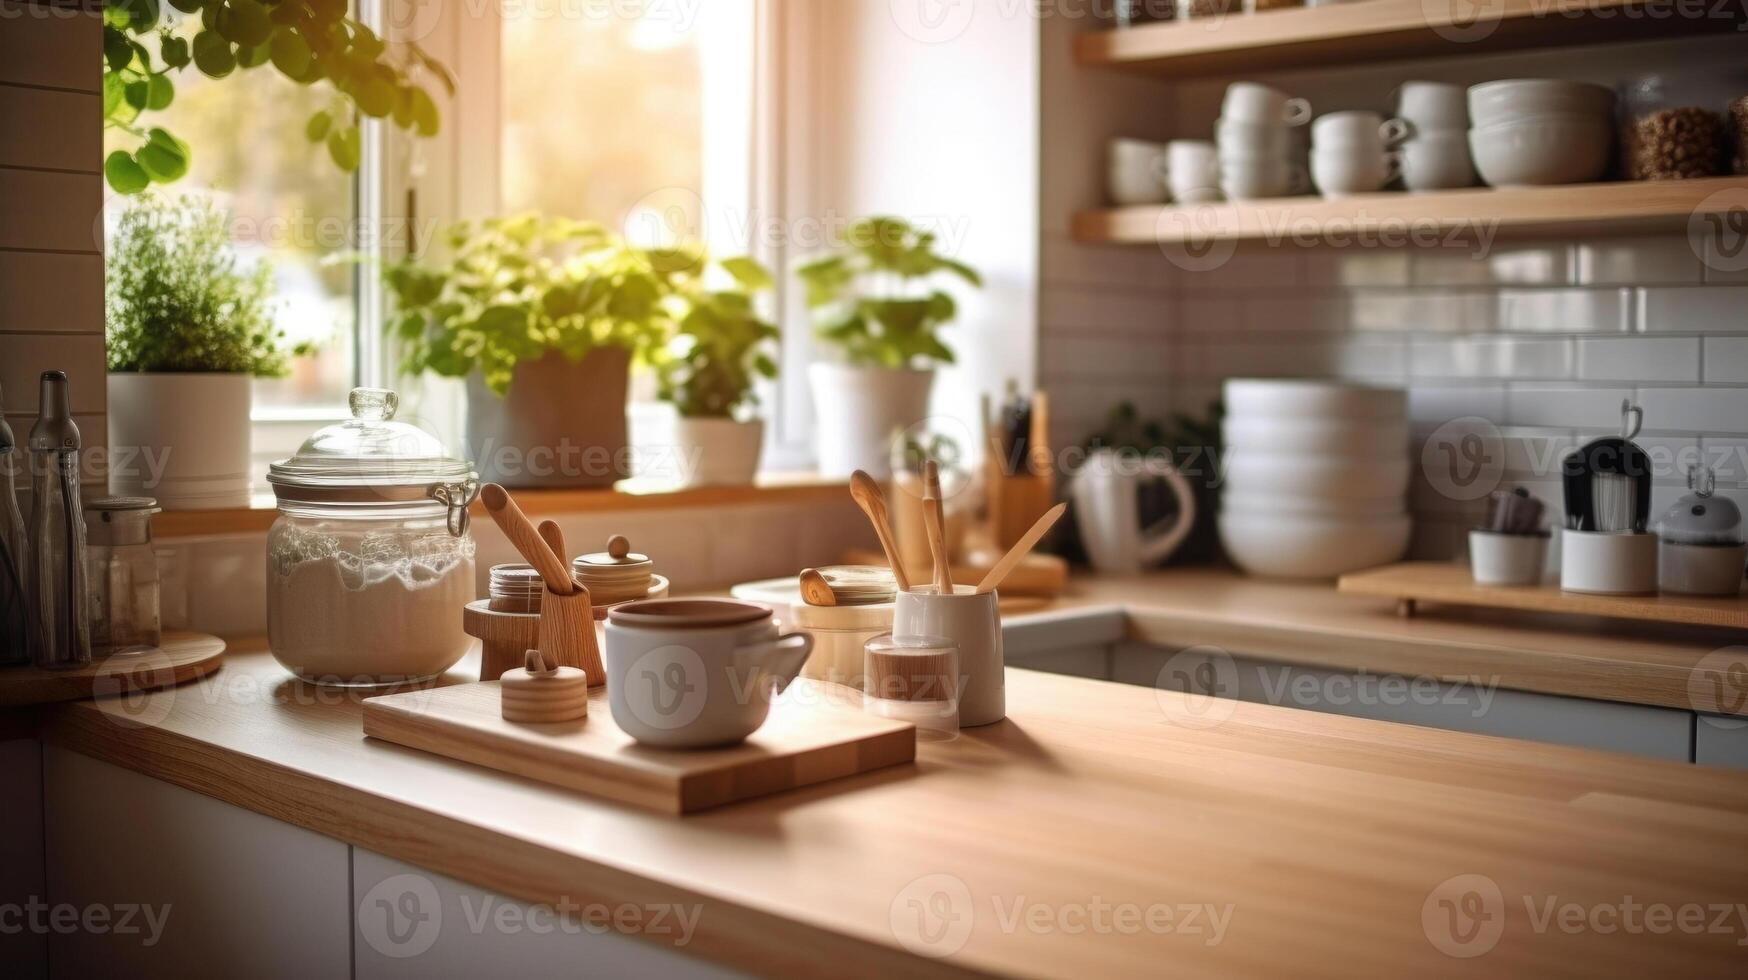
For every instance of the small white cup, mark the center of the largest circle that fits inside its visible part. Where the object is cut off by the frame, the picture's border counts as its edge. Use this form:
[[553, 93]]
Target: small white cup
[[1437, 160], [1356, 128], [1255, 102], [1343, 171], [1255, 178], [1193, 171], [1508, 559], [1433, 105], [1235, 137], [1137, 173]]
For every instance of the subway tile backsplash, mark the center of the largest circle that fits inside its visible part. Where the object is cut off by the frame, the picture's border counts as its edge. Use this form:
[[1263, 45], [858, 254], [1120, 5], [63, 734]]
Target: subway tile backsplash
[[1544, 339]]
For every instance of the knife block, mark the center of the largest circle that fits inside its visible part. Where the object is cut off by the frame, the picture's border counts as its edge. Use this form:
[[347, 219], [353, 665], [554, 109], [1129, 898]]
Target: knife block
[[1020, 490]]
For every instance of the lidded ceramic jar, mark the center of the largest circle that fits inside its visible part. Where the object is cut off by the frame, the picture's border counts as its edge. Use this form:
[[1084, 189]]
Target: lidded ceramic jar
[[1701, 550], [370, 562]]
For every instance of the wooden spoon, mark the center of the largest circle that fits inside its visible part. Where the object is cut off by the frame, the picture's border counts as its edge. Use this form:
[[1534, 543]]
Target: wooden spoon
[[869, 497], [527, 540], [1020, 550], [554, 538], [933, 520], [816, 590]]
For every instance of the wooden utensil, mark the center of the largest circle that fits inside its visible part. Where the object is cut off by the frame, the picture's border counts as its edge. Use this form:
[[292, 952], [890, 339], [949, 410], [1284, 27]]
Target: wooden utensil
[[526, 539], [816, 590], [872, 500], [932, 516], [1020, 550], [554, 538]]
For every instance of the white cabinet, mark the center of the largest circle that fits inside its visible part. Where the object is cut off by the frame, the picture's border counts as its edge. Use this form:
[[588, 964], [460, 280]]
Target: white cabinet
[[23, 944], [206, 888], [416, 925], [1662, 733], [1720, 741]]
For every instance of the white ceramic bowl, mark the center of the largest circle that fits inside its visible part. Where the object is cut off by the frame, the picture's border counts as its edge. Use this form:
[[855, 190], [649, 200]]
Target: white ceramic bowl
[[1313, 547], [1363, 437], [1511, 98], [1543, 151], [1369, 477], [1302, 399], [1253, 504]]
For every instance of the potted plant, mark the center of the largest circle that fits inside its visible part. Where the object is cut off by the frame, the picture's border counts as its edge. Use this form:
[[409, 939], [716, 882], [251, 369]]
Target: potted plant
[[187, 331], [707, 373], [543, 317], [875, 301]]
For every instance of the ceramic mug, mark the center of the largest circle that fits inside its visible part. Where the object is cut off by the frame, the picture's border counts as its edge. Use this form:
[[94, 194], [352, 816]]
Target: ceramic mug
[[1357, 128], [1258, 103], [974, 623], [1437, 160], [1433, 105], [1236, 137], [1137, 172], [1192, 171], [1254, 178], [1340, 172], [696, 673]]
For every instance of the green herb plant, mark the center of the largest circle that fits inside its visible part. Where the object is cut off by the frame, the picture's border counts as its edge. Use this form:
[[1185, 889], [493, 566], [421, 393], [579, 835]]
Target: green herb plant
[[515, 288], [721, 346], [176, 301], [308, 41], [875, 298]]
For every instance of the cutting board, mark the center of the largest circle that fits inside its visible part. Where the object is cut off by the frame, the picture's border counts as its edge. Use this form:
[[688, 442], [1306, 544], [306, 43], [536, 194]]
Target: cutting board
[[182, 657], [812, 736]]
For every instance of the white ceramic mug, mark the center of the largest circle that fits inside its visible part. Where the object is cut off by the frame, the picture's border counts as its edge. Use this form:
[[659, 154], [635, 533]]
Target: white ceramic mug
[[1507, 559], [696, 673], [1192, 171], [1437, 160], [1433, 105], [1258, 103], [1137, 172], [1236, 137], [1356, 128], [1343, 171], [973, 622], [1256, 178]]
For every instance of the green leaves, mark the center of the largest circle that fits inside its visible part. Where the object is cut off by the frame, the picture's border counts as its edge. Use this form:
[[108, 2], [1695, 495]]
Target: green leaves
[[125, 174], [164, 157], [899, 326], [346, 147], [319, 126], [213, 54]]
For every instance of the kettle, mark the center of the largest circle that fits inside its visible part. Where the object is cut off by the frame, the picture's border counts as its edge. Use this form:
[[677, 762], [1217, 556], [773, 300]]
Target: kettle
[[1106, 493]]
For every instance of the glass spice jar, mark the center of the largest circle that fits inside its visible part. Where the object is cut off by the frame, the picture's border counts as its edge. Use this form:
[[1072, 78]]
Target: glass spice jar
[[122, 567], [1668, 133], [370, 563]]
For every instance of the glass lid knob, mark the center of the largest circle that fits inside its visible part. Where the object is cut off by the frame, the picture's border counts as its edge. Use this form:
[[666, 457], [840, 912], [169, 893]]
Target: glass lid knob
[[374, 404]]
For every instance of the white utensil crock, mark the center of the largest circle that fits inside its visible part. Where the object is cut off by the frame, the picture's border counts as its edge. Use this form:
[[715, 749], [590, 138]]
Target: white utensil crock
[[974, 623], [1610, 563], [1507, 559]]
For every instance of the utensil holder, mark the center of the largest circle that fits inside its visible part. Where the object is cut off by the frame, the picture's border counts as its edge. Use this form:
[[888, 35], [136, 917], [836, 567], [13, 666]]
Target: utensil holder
[[567, 634], [1608, 563], [1702, 569], [974, 623], [1497, 558]]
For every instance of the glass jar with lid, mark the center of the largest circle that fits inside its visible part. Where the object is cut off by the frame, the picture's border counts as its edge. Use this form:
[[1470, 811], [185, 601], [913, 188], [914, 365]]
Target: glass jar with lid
[[123, 571], [370, 562]]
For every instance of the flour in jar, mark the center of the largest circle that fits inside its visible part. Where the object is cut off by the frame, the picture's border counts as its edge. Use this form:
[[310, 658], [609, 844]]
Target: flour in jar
[[367, 609]]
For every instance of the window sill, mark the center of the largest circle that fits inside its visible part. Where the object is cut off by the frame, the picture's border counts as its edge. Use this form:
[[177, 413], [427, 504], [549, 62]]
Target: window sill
[[630, 495]]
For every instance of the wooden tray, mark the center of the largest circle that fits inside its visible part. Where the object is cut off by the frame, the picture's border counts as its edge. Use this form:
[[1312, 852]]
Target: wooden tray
[[805, 741], [1416, 582], [182, 658]]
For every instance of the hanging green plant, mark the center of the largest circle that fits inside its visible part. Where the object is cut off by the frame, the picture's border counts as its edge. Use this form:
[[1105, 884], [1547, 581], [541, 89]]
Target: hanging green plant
[[307, 41]]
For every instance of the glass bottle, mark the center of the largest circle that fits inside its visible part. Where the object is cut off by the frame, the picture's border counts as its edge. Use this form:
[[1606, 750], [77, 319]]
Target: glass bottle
[[122, 569], [57, 531], [17, 639]]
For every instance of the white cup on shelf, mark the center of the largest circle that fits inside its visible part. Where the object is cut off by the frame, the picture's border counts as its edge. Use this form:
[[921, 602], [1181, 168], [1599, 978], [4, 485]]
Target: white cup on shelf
[[1433, 105], [1137, 172], [1357, 128], [1437, 160], [1342, 171], [1254, 102], [1192, 171], [1256, 178]]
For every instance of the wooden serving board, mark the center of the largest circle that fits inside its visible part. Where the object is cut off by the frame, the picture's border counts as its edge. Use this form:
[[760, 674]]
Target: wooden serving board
[[182, 658], [806, 740], [1415, 582]]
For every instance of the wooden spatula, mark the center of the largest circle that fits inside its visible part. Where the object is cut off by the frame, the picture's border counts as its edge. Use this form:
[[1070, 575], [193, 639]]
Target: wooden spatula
[[1021, 549]]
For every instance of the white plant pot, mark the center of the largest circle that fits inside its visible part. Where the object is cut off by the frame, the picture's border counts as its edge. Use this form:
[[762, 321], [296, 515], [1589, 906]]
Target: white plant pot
[[858, 411], [181, 438], [717, 452]]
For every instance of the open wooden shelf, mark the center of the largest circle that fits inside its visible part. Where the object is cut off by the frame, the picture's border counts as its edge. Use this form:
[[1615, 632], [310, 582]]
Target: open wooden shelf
[[1626, 207], [1389, 30]]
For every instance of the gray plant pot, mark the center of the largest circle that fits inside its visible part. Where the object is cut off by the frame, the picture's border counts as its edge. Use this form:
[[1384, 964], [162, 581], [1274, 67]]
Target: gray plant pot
[[562, 424]]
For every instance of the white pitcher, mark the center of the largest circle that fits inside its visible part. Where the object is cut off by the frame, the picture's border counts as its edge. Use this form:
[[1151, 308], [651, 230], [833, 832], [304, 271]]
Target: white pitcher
[[1106, 495]]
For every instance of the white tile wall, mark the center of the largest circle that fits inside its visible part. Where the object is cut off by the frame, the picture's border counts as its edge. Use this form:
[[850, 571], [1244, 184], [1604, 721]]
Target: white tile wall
[[1639, 359], [1695, 309]]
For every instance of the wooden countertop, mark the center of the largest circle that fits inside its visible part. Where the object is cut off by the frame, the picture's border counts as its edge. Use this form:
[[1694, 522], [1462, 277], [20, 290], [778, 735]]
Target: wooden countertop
[[1313, 625], [1069, 840]]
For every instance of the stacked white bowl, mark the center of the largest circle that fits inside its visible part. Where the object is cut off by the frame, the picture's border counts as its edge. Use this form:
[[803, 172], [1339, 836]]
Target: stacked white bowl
[[1435, 156], [1539, 131], [1351, 152], [1316, 477], [1254, 135]]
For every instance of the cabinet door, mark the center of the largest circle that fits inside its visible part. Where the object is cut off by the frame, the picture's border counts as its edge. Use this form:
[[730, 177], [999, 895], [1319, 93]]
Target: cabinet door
[[415, 924], [1721, 741], [23, 947], [207, 889]]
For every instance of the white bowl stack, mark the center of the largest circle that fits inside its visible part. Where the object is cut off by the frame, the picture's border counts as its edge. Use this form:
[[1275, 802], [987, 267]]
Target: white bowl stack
[[1539, 131], [1316, 478], [1255, 138]]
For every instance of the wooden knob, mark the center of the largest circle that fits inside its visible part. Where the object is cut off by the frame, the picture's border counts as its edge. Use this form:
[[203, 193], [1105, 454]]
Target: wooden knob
[[618, 546]]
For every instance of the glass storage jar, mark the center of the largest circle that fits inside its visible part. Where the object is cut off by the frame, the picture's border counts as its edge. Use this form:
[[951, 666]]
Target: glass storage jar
[[122, 568], [1672, 128], [370, 562]]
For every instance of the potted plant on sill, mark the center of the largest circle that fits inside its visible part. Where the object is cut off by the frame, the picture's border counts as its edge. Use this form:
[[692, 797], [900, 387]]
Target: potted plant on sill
[[707, 374], [543, 318], [874, 301], [187, 333]]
